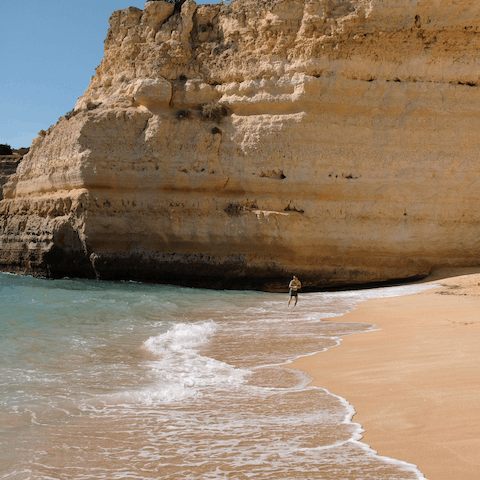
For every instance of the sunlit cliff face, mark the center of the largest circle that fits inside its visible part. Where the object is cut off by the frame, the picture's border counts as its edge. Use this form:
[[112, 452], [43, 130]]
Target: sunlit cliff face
[[233, 145]]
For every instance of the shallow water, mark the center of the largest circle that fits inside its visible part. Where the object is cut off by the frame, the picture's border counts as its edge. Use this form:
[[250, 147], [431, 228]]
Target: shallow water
[[104, 380]]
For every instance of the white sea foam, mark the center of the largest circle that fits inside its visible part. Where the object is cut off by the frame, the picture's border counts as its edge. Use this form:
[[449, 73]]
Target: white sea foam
[[180, 372], [182, 337]]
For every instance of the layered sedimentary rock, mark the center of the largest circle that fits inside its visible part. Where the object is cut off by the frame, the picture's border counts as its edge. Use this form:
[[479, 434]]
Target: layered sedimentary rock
[[239, 144], [8, 166]]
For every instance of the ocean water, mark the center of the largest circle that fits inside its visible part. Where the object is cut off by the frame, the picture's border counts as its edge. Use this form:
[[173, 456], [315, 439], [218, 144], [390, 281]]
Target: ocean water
[[104, 380]]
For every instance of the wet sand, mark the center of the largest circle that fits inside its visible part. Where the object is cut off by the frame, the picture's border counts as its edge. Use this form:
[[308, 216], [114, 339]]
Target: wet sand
[[415, 384]]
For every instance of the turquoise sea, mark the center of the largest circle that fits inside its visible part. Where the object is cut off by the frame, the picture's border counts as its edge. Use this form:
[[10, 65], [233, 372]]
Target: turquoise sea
[[104, 380]]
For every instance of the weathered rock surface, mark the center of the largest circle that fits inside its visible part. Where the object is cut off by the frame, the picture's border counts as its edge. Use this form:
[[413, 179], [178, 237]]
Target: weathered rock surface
[[8, 166], [237, 145]]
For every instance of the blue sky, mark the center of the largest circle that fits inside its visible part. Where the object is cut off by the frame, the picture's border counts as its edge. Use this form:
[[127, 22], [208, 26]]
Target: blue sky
[[49, 51]]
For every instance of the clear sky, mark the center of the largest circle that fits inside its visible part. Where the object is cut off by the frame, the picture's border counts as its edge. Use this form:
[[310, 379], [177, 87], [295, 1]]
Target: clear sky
[[49, 51]]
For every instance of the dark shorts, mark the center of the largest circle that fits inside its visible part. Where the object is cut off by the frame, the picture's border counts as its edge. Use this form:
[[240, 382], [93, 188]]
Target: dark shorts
[[293, 293]]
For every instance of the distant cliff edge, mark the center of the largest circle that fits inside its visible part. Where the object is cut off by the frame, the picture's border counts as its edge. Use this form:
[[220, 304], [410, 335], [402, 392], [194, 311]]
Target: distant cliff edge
[[9, 160], [236, 145]]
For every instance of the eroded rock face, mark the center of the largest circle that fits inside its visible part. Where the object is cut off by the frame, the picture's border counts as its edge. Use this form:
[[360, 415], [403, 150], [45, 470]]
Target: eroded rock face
[[237, 145], [8, 166]]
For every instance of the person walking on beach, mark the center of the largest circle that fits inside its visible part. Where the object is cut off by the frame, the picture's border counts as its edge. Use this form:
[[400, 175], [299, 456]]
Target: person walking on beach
[[294, 286]]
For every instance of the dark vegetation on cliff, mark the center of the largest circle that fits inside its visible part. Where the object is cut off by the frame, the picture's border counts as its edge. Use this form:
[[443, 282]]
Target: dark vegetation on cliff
[[5, 149], [178, 3]]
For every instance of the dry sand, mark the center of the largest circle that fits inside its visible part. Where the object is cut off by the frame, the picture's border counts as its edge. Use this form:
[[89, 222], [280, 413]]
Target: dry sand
[[415, 384]]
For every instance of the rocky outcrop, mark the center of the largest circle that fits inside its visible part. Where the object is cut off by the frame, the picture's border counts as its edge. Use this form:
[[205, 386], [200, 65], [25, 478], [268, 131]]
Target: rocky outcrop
[[8, 166], [235, 145]]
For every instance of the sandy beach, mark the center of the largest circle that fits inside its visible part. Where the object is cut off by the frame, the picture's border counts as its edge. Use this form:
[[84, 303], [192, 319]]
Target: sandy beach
[[415, 382]]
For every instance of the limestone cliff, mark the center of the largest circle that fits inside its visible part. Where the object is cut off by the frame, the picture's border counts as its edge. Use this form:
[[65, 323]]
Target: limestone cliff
[[240, 144], [8, 166]]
